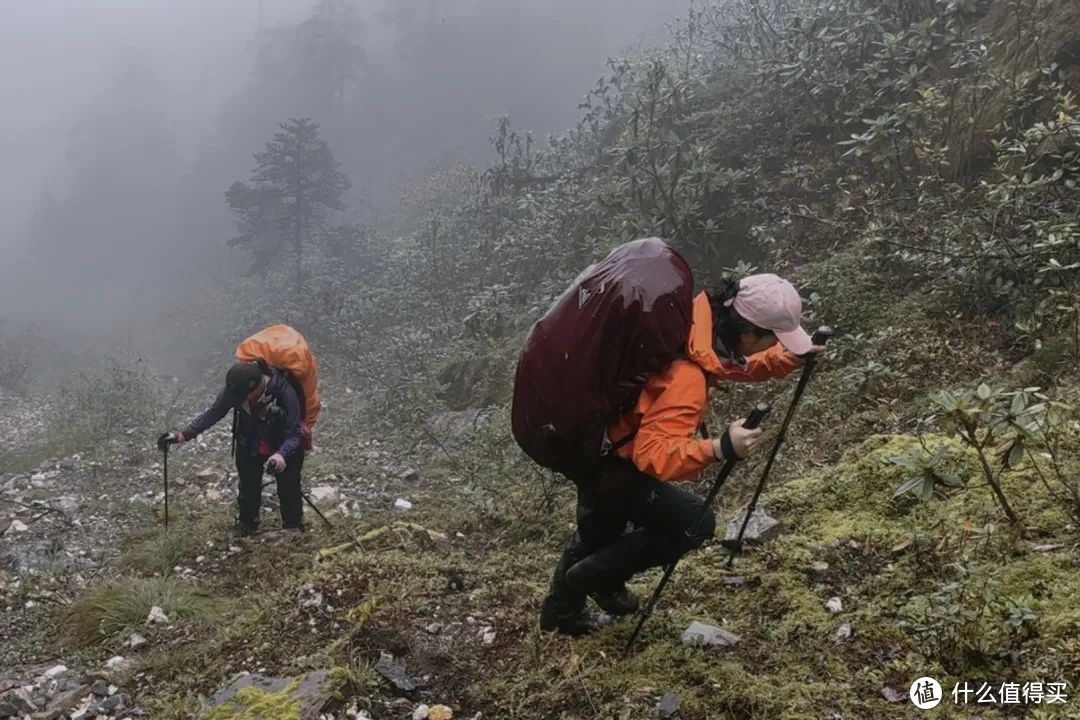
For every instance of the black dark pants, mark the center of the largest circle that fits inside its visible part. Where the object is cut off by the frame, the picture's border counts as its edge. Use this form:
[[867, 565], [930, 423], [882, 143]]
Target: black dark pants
[[250, 469], [602, 554]]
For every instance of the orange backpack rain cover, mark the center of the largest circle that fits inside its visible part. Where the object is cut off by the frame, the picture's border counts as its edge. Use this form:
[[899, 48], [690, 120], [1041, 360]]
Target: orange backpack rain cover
[[284, 348]]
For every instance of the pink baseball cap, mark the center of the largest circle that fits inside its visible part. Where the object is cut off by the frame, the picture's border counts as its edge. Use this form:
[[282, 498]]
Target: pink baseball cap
[[772, 303]]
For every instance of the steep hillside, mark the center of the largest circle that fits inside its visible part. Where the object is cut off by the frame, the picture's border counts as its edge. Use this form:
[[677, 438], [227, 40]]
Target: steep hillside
[[914, 166]]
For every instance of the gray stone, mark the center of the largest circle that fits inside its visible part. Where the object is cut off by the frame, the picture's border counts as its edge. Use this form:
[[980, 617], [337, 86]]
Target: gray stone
[[843, 633], [701, 633], [324, 495], [62, 705], [452, 427], [116, 702], [892, 695], [394, 672], [835, 605], [760, 528], [669, 704], [8, 710], [314, 691], [100, 688], [733, 581]]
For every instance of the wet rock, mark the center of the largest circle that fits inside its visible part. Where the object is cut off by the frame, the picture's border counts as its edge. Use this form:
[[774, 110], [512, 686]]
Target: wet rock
[[760, 528], [702, 633], [394, 672], [669, 704], [312, 693]]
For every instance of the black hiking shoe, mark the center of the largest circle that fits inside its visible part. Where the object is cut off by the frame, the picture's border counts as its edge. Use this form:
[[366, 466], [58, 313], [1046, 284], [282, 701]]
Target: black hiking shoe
[[619, 603], [242, 529], [574, 623]]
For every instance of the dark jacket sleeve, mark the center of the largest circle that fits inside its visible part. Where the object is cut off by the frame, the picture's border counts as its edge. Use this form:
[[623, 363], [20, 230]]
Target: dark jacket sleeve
[[208, 418], [293, 414]]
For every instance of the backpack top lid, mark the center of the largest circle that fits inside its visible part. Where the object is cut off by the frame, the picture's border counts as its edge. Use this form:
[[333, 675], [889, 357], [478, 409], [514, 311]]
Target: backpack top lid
[[586, 360], [286, 349]]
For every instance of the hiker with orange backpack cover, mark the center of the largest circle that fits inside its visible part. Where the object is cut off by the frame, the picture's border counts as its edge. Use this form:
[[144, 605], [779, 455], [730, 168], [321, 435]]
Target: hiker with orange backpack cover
[[634, 353], [271, 422]]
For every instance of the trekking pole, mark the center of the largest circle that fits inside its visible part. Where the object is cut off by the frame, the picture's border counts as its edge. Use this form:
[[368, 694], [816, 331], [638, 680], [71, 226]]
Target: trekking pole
[[820, 338], [307, 500], [165, 473], [752, 421]]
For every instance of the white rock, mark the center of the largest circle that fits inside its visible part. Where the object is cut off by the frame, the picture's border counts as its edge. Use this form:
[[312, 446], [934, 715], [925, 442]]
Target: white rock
[[325, 494], [835, 605], [118, 663], [136, 641], [56, 671], [403, 504], [157, 616], [18, 526], [421, 712], [488, 636]]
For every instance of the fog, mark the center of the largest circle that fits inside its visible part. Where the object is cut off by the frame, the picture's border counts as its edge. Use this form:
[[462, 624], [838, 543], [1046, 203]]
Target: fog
[[126, 120]]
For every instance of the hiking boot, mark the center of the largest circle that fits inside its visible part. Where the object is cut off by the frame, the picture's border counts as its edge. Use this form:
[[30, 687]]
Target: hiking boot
[[618, 603], [243, 529], [574, 623]]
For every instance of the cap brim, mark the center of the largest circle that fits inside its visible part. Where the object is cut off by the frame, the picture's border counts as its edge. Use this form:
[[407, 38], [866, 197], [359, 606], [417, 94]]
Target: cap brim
[[796, 341]]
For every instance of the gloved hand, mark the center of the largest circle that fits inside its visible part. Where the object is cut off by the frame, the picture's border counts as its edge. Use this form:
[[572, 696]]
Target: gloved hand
[[276, 463], [170, 438], [741, 442], [816, 351]]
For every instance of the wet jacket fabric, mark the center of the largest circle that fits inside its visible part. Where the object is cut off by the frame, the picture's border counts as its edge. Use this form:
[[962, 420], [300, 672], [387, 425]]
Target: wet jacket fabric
[[273, 425], [673, 405]]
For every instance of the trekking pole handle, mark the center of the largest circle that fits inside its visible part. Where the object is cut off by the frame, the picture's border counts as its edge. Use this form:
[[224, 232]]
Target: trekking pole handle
[[757, 416], [823, 335]]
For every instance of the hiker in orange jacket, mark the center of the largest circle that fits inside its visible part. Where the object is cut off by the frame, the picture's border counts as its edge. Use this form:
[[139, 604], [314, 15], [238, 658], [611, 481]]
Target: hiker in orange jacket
[[747, 332]]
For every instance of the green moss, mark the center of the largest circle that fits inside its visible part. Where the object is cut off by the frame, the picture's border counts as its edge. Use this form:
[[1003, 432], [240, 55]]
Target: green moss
[[251, 703]]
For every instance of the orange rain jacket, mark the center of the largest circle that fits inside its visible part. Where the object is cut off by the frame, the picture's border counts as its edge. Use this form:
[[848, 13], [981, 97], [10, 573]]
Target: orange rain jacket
[[673, 404]]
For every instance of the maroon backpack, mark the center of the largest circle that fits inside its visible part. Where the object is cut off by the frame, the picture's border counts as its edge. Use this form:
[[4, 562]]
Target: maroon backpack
[[585, 362]]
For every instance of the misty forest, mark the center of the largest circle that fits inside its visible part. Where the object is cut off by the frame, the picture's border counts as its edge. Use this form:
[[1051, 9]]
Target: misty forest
[[381, 358]]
